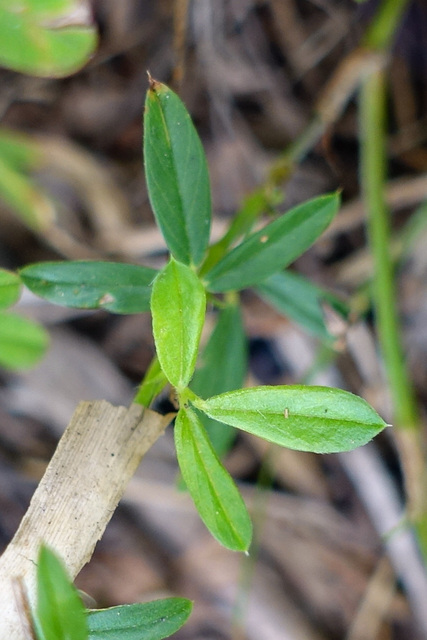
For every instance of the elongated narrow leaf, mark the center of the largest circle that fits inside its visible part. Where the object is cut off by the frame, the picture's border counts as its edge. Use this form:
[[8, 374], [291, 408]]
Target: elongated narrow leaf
[[178, 305], [318, 419], [146, 621], [177, 175], [274, 247], [60, 614], [22, 342], [299, 299], [254, 206], [117, 287], [215, 495], [46, 37], [223, 368], [10, 288]]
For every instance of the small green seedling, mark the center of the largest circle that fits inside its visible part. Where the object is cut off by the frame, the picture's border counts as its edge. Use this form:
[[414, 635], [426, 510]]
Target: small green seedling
[[60, 614], [210, 398]]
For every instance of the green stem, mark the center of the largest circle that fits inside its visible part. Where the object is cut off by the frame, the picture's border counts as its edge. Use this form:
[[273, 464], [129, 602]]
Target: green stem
[[373, 176], [382, 30]]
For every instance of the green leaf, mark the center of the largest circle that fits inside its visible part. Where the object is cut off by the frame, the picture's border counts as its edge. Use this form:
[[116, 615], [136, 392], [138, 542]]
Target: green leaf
[[10, 288], [153, 383], [177, 175], [259, 202], [60, 614], [274, 247], [146, 621], [46, 37], [215, 495], [178, 305], [318, 419], [85, 284], [298, 299], [22, 342], [224, 366]]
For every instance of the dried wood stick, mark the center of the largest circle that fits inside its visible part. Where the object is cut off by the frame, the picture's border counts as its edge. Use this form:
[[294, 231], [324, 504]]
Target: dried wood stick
[[95, 458]]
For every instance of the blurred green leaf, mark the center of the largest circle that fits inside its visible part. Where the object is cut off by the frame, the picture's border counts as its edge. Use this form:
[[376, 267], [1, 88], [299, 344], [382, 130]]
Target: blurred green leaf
[[60, 614], [145, 621], [176, 174], [85, 284], [20, 151], [215, 495], [10, 288], [22, 342], [274, 247], [318, 419], [224, 364], [299, 299], [178, 305], [46, 37], [19, 156]]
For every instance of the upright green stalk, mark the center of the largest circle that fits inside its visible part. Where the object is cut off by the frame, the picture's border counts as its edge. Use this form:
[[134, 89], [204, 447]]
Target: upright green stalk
[[383, 28], [373, 170], [373, 176]]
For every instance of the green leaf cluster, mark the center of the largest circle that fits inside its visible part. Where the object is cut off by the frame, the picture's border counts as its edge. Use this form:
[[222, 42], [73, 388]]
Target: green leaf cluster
[[55, 38], [211, 402]]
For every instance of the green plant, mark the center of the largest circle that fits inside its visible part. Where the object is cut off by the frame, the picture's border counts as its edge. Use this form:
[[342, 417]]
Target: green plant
[[210, 400], [306, 418]]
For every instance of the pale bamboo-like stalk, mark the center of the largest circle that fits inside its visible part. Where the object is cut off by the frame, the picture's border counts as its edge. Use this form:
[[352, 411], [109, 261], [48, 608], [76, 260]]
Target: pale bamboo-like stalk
[[95, 458]]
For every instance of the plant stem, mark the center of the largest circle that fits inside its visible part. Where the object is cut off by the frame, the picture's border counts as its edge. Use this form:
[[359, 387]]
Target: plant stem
[[373, 175], [383, 28]]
